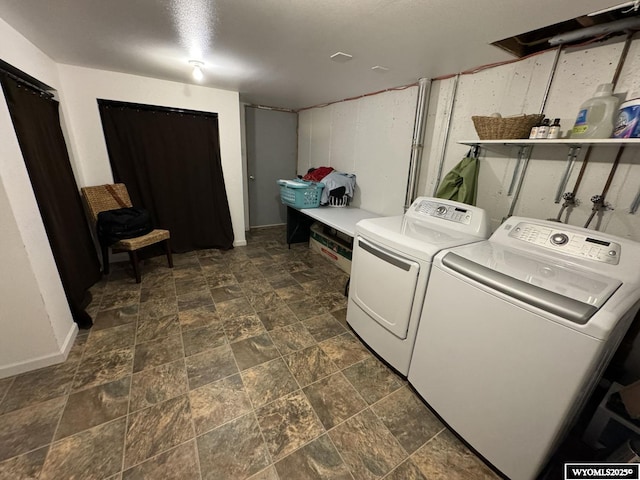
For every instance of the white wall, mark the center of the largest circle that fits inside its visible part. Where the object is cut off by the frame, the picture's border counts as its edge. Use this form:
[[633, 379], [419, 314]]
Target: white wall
[[80, 89], [519, 88], [370, 137], [35, 321]]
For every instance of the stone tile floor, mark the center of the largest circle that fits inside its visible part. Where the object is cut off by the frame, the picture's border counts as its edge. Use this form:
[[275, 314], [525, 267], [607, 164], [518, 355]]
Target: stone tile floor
[[233, 365]]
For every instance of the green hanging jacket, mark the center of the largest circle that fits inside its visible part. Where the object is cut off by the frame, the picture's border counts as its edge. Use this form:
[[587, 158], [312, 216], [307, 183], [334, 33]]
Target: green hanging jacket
[[461, 183]]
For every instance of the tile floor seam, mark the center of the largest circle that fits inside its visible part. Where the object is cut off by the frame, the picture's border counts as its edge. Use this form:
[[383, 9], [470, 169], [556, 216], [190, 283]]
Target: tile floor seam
[[388, 395], [319, 378], [82, 357], [156, 455], [191, 420], [340, 455], [252, 412], [48, 446], [126, 422], [226, 422], [159, 452], [264, 439], [33, 404], [392, 435], [309, 442], [126, 430], [54, 442], [317, 417], [444, 428], [349, 418]]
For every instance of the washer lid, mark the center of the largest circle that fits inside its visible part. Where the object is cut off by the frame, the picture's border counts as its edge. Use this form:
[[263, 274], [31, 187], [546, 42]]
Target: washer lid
[[557, 277], [413, 237]]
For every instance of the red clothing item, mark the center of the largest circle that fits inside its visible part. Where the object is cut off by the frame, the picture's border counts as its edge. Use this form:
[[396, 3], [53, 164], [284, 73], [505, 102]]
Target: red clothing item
[[318, 174]]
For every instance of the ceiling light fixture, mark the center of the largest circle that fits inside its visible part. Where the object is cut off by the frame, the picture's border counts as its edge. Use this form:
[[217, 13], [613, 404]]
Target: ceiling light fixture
[[197, 69]]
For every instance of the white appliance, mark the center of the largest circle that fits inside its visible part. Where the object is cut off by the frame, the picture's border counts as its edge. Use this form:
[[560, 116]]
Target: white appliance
[[390, 269], [517, 333]]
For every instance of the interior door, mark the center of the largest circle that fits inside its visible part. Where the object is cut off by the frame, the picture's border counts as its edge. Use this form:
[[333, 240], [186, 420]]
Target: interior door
[[272, 143]]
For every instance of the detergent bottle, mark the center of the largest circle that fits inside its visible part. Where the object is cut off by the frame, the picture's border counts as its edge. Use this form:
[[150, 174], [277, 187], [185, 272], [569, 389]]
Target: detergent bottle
[[628, 121], [596, 115]]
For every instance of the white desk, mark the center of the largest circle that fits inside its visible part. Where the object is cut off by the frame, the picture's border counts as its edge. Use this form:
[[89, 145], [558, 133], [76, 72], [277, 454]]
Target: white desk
[[343, 219]]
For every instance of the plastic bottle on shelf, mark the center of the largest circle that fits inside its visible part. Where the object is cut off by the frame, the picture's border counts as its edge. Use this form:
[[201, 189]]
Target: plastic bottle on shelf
[[534, 130], [543, 130], [628, 119], [596, 115], [554, 129]]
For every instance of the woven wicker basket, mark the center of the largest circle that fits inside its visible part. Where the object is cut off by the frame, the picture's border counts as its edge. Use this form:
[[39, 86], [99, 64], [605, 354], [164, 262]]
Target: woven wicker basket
[[508, 128]]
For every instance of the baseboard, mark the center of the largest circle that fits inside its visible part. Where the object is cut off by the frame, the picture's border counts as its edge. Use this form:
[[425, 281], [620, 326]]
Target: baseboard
[[240, 243], [43, 361], [67, 345], [257, 227]]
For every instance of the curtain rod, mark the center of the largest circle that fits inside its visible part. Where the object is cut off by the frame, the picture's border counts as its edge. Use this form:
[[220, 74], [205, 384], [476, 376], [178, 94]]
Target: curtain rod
[[26, 83], [153, 108]]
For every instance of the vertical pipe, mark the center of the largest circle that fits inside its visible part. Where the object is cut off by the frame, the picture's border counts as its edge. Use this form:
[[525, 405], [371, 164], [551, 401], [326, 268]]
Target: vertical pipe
[[600, 203], [525, 163], [417, 142], [574, 150], [616, 76], [635, 204], [446, 134], [550, 81]]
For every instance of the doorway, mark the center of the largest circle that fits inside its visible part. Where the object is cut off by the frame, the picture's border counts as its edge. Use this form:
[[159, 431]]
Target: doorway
[[272, 148]]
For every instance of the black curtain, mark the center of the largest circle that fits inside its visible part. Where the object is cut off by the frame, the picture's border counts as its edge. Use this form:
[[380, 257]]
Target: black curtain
[[170, 162], [36, 121]]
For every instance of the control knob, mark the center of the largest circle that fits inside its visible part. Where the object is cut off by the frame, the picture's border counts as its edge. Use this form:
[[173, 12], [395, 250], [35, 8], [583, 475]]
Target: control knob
[[559, 238], [441, 210]]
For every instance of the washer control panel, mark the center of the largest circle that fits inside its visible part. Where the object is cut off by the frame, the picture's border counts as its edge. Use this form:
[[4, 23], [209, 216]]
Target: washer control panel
[[444, 211], [567, 242]]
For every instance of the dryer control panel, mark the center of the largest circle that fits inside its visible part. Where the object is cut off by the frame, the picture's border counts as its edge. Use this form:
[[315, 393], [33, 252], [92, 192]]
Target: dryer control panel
[[442, 210], [448, 214], [568, 242]]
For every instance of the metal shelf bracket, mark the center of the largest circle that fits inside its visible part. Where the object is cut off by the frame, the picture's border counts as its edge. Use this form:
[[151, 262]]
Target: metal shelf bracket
[[518, 171], [636, 203], [571, 160]]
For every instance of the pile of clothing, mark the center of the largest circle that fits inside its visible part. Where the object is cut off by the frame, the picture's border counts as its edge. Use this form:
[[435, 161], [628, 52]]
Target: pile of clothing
[[338, 186]]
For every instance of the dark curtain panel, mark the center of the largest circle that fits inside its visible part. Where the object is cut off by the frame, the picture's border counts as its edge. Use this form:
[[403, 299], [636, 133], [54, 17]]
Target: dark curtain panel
[[170, 162], [37, 124]]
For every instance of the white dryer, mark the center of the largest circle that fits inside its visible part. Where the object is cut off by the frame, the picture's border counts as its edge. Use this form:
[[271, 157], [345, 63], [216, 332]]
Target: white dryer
[[517, 333], [390, 270]]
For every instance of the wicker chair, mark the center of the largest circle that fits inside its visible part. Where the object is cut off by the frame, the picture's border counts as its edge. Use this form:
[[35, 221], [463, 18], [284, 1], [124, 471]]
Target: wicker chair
[[98, 199]]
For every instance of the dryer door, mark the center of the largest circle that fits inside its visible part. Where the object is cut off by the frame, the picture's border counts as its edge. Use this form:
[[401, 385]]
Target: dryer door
[[383, 285]]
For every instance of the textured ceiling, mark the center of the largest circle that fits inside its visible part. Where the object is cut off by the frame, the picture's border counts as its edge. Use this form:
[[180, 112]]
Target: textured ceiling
[[276, 52]]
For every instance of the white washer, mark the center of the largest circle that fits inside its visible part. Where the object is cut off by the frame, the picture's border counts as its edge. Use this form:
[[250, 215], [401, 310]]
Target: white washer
[[518, 332], [391, 263]]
